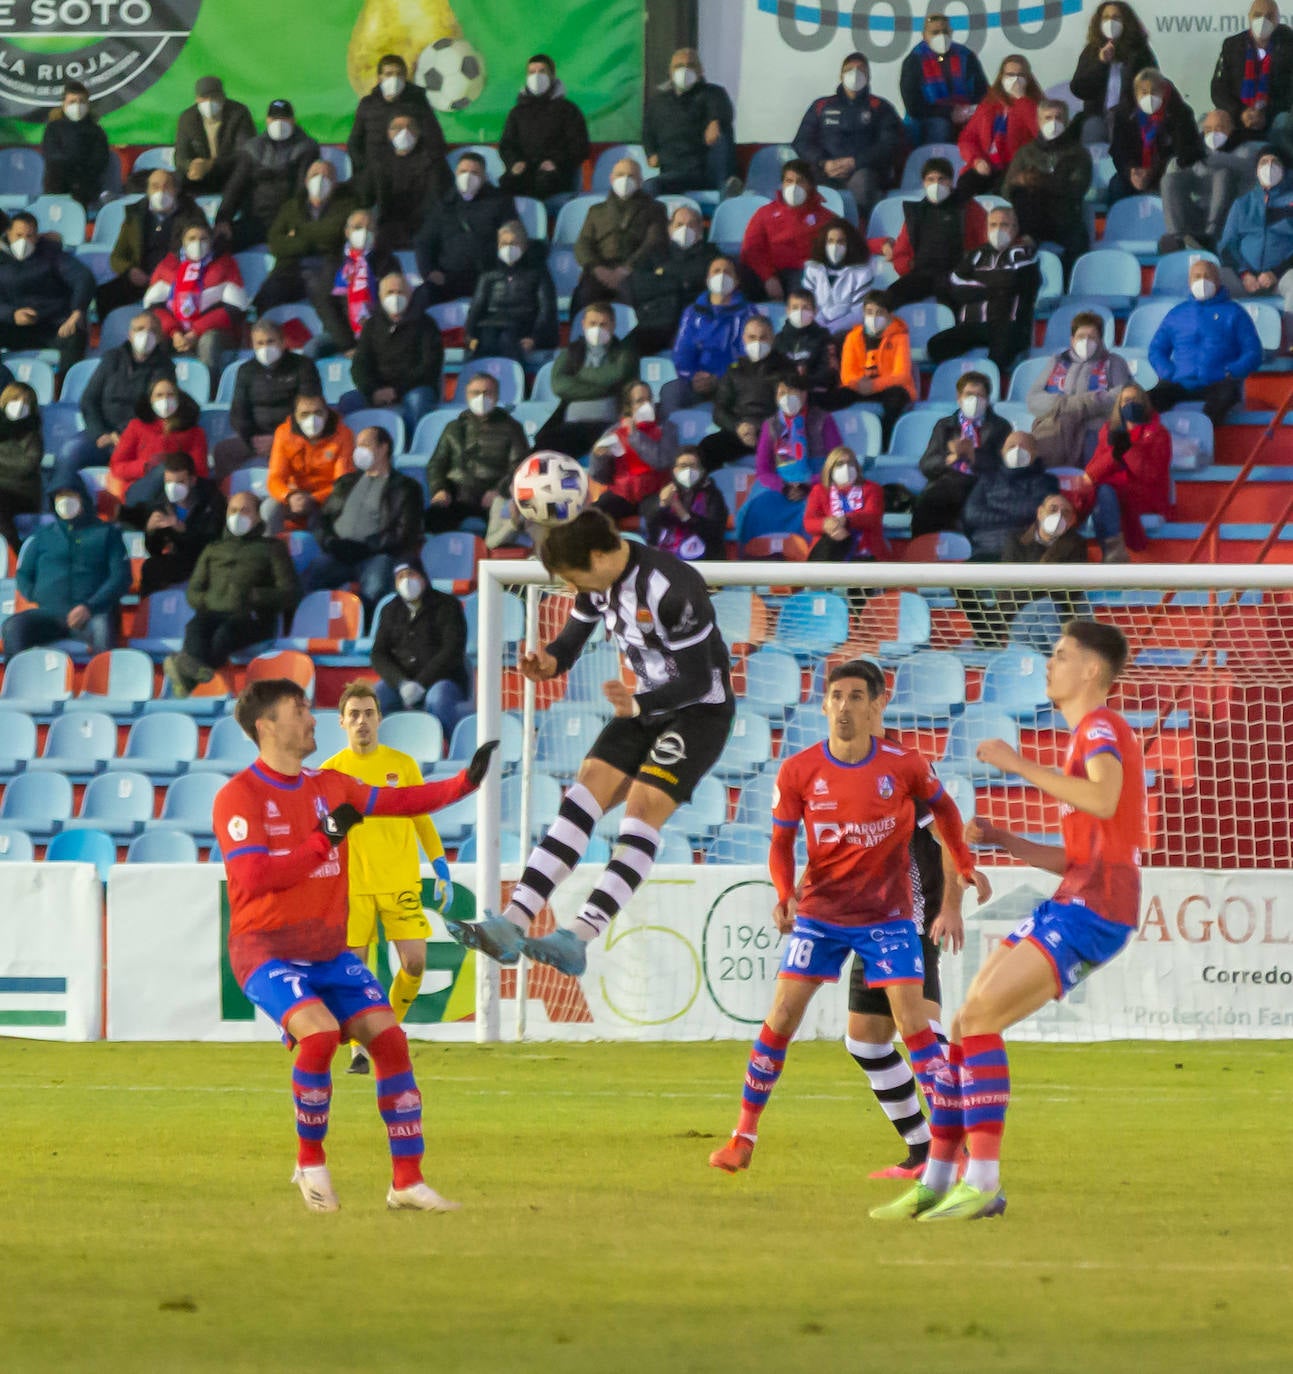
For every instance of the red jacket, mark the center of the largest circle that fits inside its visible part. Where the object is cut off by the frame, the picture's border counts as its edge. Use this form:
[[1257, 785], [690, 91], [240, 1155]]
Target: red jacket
[[780, 238], [1142, 477], [222, 291], [143, 442], [976, 137], [866, 523]]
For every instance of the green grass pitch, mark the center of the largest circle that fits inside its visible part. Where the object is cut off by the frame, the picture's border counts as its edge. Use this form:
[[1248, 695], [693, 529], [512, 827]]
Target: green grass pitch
[[148, 1223]]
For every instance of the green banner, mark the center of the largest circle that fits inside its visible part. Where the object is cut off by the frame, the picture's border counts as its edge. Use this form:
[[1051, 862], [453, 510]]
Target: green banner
[[140, 59]]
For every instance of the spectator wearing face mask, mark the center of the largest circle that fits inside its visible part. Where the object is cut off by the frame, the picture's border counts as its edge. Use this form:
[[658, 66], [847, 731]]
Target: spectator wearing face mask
[[545, 139], [616, 235], [779, 237], [152, 227], [844, 516], [1071, 398], [1052, 536], [710, 338], [459, 239], [75, 149], [1197, 196], [187, 514], [420, 650], [1150, 131], [937, 231], [268, 170], [667, 277], [1005, 119], [995, 289], [941, 83], [687, 130], [74, 572], [839, 273], [112, 395], [394, 94], [962, 446], [402, 182], [1004, 497], [810, 349], [209, 136], [370, 523], [1253, 78], [514, 309], [308, 231], [21, 452], [876, 365], [312, 448], [745, 397], [792, 441], [1204, 348], [345, 292], [470, 472], [166, 422], [853, 139], [1047, 181], [44, 293], [588, 378], [399, 356], [633, 459], [264, 394], [243, 585], [198, 298], [1116, 48], [1130, 475], [1256, 246], [687, 517]]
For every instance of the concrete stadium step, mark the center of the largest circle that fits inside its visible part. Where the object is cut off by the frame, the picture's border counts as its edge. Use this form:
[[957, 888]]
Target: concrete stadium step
[[1262, 497], [1172, 543]]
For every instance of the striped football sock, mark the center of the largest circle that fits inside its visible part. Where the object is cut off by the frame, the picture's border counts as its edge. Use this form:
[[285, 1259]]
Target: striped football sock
[[894, 1086], [400, 1104], [926, 1057], [312, 1094], [985, 1093], [635, 850], [767, 1059], [946, 1123], [555, 855]]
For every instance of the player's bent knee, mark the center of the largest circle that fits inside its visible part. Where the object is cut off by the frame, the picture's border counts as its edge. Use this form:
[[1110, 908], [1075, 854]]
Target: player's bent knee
[[870, 1030], [311, 1019], [415, 965], [649, 804], [608, 785]]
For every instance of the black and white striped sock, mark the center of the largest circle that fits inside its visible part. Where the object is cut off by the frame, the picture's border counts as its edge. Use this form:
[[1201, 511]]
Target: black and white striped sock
[[631, 860], [894, 1085], [555, 855]]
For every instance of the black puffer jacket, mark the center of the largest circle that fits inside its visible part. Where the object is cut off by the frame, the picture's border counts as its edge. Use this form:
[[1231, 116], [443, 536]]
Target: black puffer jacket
[[112, 395], [265, 176], [401, 532], [371, 130], [404, 355], [403, 188], [50, 282], [426, 643], [545, 128], [203, 517], [244, 572], [76, 158], [1001, 503], [521, 298], [993, 431], [673, 128], [462, 235], [21, 451], [666, 279], [476, 454], [747, 392], [263, 397]]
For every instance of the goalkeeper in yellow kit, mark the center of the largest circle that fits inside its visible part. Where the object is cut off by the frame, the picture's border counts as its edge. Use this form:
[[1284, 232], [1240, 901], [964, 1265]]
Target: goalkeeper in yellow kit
[[385, 877]]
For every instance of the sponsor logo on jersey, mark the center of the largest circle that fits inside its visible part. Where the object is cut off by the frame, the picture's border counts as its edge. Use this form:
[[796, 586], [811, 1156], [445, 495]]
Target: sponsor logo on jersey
[[278, 829], [1101, 730], [271, 810], [237, 828], [868, 834], [823, 806], [643, 616], [392, 780], [820, 789], [885, 786], [669, 748]]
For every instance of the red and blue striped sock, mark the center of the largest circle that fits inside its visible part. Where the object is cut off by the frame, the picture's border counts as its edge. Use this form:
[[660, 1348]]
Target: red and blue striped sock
[[946, 1123], [400, 1104], [926, 1057], [767, 1059], [985, 1093], [312, 1094]]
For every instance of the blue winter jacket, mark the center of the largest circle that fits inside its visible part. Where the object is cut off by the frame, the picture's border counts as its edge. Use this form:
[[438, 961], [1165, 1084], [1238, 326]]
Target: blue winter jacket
[[709, 336], [865, 128], [1203, 342], [1258, 236], [81, 562]]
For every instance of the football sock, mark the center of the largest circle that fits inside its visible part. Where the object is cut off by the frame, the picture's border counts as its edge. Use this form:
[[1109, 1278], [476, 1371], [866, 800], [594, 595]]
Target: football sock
[[940, 1035], [399, 1103], [946, 1123], [555, 855], [926, 1057], [404, 992], [634, 853], [767, 1059], [894, 1085], [312, 1094], [985, 1093]]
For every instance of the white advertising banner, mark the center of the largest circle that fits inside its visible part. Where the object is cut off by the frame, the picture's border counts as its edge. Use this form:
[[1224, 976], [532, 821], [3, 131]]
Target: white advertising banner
[[777, 56], [51, 951]]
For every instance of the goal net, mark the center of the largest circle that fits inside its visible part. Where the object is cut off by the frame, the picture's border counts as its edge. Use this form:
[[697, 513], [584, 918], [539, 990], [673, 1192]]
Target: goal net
[[1209, 691]]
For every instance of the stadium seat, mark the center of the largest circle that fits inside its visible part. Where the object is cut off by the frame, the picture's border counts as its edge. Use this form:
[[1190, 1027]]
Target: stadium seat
[[940, 546], [692, 424], [888, 217], [22, 171], [545, 799], [194, 377], [769, 547], [150, 159], [37, 681], [77, 745], [162, 847], [1268, 320], [928, 690], [216, 423], [916, 159], [740, 615], [1024, 375], [160, 622], [121, 803], [115, 329], [704, 813], [675, 848], [595, 666], [1135, 224], [812, 623], [542, 388], [962, 792], [449, 561], [1108, 275], [513, 622], [924, 319], [255, 264], [340, 160], [727, 228], [532, 416], [968, 731], [303, 548], [754, 805], [839, 203], [570, 219], [416, 733], [1192, 438], [910, 436], [1172, 272], [510, 849], [1051, 290], [334, 373], [58, 214], [118, 682], [161, 744], [188, 804], [456, 821], [462, 745], [17, 741], [773, 683], [253, 479], [763, 176], [626, 321], [565, 735], [860, 429], [607, 159], [108, 221], [1059, 325], [656, 371], [35, 373], [76, 379], [228, 749], [748, 747], [300, 311], [1014, 681], [774, 312], [329, 737], [39, 803], [225, 386], [740, 844], [95, 847], [508, 373], [324, 622], [805, 726], [288, 663], [1138, 364], [16, 846], [534, 215], [1143, 322], [942, 386], [389, 420], [674, 201], [431, 426]]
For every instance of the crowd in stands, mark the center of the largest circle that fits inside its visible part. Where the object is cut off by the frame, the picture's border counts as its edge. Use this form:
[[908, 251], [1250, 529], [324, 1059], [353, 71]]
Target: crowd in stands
[[404, 262]]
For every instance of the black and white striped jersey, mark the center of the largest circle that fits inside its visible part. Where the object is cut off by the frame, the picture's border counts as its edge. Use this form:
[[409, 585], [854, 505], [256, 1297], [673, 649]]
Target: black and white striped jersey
[[926, 858], [660, 615]]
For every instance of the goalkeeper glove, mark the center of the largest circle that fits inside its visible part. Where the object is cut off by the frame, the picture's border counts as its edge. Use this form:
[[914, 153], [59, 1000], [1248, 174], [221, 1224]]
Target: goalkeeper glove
[[339, 822], [479, 764], [443, 885]]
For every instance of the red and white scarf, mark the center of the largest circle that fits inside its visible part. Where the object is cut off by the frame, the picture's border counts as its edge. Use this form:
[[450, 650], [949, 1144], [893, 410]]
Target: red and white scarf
[[186, 295], [354, 274], [845, 502]]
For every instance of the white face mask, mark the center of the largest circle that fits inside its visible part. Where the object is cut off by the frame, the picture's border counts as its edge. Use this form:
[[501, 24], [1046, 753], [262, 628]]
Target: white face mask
[[936, 192], [468, 183], [279, 129], [791, 403], [644, 414], [177, 492], [22, 248], [67, 507], [686, 477], [197, 249], [239, 523], [210, 109], [76, 111], [17, 410], [1052, 129], [1013, 85], [1052, 523], [161, 202], [721, 284], [757, 349], [268, 354], [392, 86], [875, 325], [801, 319], [403, 140], [972, 405], [410, 588], [999, 238], [319, 187], [165, 406], [1203, 288], [844, 475], [1270, 174], [1261, 29], [311, 425], [597, 336], [538, 83], [624, 186], [855, 79], [794, 193], [481, 403], [361, 240], [683, 78], [683, 235], [941, 43], [1150, 104], [835, 252], [395, 304], [509, 254], [1214, 140], [143, 342], [363, 458], [1112, 29], [1084, 347], [1015, 458]]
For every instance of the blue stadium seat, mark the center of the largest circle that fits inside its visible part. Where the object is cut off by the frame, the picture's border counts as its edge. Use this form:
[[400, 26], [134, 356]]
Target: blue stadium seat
[[838, 203], [532, 416], [161, 745], [911, 433], [39, 803], [416, 733], [704, 814], [1024, 375], [252, 479], [255, 264], [17, 741], [656, 370], [565, 735], [734, 611], [449, 558], [888, 216], [570, 219], [37, 681], [228, 749], [118, 682], [942, 386], [324, 615], [598, 664], [1192, 438], [77, 745], [194, 377], [763, 176], [162, 847], [774, 312], [607, 159], [120, 803], [1059, 325], [58, 214], [916, 159], [337, 156], [748, 747], [1014, 681], [728, 225], [692, 424], [334, 373], [216, 423], [508, 373], [1268, 320], [1135, 224], [35, 373], [510, 849], [225, 386], [754, 805], [390, 420], [1172, 272], [1051, 290], [673, 201], [860, 430], [914, 625], [76, 380], [108, 221], [924, 319], [303, 549], [962, 792], [462, 745], [773, 683], [188, 804], [740, 844], [1108, 275], [151, 159], [813, 623], [542, 388], [534, 215], [16, 846], [22, 171], [329, 737], [805, 726], [545, 799], [928, 689], [626, 321], [968, 731], [1143, 322], [675, 848], [95, 847], [456, 821], [431, 426], [513, 621], [116, 328]]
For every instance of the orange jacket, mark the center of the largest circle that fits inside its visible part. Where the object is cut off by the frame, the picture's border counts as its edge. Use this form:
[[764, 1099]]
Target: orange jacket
[[310, 465], [889, 365]]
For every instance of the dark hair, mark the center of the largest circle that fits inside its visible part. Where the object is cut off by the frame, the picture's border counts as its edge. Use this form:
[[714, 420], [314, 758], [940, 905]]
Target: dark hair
[[855, 246], [876, 298], [393, 59], [178, 461], [467, 156], [802, 292], [545, 59], [75, 88], [967, 378], [870, 673], [1102, 639], [1133, 37], [629, 388], [25, 217], [383, 436], [938, 164], [259, 699], [1083, 319], [800, 168], [571, 546], [361, 687]]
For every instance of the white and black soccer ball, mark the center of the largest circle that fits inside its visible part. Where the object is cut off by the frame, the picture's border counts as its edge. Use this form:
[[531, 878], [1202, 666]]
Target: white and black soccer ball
[[549, 488], [453, 73]]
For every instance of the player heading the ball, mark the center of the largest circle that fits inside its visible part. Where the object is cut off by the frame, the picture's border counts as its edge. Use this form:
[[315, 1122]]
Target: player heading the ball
[[1092, 916], [663, 738]]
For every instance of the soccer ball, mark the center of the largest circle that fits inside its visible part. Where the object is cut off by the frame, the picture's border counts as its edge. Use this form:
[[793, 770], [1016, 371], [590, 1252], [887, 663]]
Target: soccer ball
[[453, 73], [549, 488]]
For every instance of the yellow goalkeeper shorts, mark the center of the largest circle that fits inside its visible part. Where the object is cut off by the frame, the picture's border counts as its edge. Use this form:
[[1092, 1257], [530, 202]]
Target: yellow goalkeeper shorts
[[401, 913]]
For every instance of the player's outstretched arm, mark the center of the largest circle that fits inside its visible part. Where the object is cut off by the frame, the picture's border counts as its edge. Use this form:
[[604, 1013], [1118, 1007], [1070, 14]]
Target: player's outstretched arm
[[1097, 793], [1048, 857], [432, 796]]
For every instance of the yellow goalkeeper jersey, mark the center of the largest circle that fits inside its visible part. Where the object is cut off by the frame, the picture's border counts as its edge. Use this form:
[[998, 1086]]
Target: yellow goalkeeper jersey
[[383, 851]]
